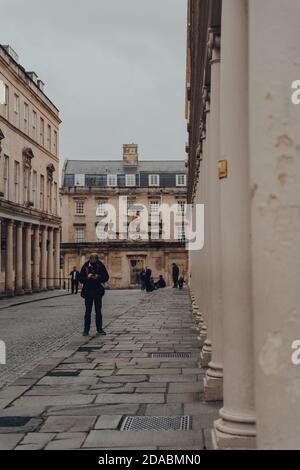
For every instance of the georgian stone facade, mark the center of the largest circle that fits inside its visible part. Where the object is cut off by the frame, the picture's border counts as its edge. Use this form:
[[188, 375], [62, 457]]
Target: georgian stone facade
[[244, 165], [29, 182], [89, 186]]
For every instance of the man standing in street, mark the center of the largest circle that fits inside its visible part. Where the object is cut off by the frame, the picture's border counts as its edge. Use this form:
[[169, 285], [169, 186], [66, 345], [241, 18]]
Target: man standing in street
[[175, 275], [74, 280], [93, 275]]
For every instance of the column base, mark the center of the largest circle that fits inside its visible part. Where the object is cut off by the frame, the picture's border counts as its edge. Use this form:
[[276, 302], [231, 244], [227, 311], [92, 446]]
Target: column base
[[28, 291], [205, 356], [213, 383], [36, 290], [19, 292], [236, 432], [9, 293]]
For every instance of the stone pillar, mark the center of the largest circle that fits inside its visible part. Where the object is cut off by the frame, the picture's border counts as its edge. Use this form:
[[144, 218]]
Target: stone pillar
[[50, 260], [9, 267], [205, 335], [1, 290], [28, 273], [236, 426], [43, 271], [213, 382], [57, 258], [19, 260], [36, 258], [275, 170]]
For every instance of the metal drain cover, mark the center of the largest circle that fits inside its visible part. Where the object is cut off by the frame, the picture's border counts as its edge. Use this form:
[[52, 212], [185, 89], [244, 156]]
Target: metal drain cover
[[63, 373], [169, 355], [13, 421], [157, 423]]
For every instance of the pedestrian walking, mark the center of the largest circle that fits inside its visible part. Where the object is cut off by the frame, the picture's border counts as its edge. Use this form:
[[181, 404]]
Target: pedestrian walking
[[142, 279], [74, 280], [93, 275], [175, 275]]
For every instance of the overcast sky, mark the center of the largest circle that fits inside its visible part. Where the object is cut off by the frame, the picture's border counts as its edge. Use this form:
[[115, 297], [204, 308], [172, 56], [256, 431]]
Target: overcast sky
[[114, 68]]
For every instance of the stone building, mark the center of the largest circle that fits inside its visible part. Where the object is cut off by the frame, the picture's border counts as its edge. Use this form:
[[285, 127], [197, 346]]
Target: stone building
[[29, 175], [244, 165], [90, 187]]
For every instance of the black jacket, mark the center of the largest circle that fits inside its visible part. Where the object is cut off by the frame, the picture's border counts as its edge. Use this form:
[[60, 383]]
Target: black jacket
[[76, 277], [175, 272], [93, 286]]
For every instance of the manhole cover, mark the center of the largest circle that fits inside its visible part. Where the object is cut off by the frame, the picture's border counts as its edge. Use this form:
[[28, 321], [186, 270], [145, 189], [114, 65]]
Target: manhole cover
[[157, 423], [13, 421], [63, 373], [170, 355]]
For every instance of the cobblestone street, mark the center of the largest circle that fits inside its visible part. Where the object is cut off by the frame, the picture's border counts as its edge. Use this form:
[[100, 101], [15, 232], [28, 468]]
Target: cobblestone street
[[85, 394]]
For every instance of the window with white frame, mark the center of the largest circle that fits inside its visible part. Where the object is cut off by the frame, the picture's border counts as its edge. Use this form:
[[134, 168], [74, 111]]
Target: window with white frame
[[180, 180], [26, 185], [6, 102], [79, 207], [49, 198], [112, 180], [34, 189], [55, 211], [34, 125], [154, 207], [101, 208], [42, 192], [79, 179], [79, 234], [26, 118], [180, 233], [130, 180], [153, 180], [42, 131], [55, 143], [17, 181], [101, 232], [6, 177], [181, 207], [16, 111], [49, 137]]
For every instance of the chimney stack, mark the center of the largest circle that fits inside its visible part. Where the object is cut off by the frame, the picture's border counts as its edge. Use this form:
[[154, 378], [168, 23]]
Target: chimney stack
[[130, 154]]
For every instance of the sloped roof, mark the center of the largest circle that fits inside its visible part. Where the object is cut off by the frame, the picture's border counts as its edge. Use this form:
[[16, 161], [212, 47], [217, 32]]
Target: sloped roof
[[98, 167]]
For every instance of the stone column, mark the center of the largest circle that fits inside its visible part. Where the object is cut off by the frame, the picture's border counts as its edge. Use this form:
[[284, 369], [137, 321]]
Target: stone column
[[9, 267], [213, 382], [19, 260], [206, 330], [43, 271], [28, 273], [236, 426], [50, 260], [275, 171], [57, 258], [36, 258], [1, 290]]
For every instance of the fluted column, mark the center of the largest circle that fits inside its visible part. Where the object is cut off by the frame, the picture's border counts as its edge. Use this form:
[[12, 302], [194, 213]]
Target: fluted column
[[9, 269], [57, 258], [28, 269], [236, 426], [213, 382], [19, 260], [50, 260], [43, 266], [36, 259]]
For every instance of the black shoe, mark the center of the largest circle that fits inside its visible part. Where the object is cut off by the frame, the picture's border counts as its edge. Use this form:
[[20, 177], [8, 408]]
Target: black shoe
[[101, 332], [85, 333]]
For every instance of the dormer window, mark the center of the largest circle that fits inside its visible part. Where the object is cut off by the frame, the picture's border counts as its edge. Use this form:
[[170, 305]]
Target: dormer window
[[130, 180], [180, 180], [153, 180], [112, 180]]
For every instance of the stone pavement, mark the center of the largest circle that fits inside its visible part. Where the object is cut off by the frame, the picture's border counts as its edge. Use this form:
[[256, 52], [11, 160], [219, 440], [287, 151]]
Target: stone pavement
[[81, 395]]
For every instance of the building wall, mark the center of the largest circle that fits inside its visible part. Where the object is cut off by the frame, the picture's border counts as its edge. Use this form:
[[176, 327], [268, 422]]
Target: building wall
[[37, 209]]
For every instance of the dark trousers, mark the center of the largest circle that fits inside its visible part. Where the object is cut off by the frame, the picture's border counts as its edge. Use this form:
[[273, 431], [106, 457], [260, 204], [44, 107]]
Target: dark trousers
[[91, 299], [175, 281], [74, 287]]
